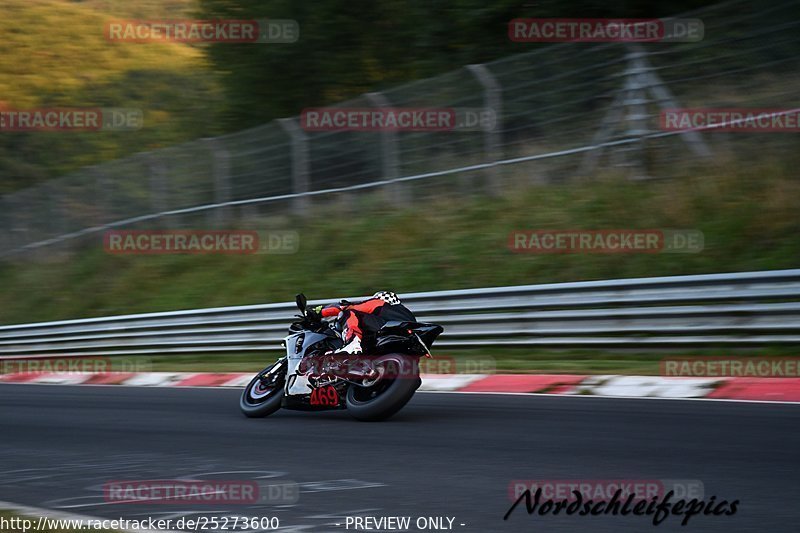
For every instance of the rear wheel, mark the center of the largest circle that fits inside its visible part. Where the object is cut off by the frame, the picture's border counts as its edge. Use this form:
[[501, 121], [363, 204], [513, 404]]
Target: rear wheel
[[264, 393], [385, 395]]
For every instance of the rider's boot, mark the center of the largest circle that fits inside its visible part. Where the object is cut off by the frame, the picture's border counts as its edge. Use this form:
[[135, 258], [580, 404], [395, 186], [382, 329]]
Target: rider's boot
[[352, 348]]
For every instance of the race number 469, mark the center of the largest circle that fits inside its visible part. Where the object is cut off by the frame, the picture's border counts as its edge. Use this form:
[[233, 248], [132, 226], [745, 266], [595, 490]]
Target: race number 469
[[325, 396]]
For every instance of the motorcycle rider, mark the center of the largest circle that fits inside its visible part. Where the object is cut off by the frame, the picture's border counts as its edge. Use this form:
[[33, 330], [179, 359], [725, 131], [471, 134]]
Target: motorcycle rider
[[356, 320]]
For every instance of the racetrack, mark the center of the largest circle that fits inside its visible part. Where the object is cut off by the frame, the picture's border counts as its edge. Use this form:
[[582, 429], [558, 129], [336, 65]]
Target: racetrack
[[443, 455]]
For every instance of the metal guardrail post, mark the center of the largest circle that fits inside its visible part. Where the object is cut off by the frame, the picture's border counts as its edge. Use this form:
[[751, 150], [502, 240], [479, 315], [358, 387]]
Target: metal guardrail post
[[300, 176]]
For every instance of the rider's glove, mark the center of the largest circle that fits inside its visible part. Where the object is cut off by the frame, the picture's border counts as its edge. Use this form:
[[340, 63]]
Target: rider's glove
[[314, 312]]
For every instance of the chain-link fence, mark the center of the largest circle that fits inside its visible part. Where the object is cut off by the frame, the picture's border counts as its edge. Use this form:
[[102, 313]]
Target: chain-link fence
[[562, 112]]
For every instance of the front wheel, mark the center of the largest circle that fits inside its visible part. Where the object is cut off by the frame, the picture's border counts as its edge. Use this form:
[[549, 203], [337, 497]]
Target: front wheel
[[397, 382], [264, 393]]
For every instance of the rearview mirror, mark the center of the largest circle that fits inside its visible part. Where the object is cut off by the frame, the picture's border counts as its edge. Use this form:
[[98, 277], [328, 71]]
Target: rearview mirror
[[301, 301]]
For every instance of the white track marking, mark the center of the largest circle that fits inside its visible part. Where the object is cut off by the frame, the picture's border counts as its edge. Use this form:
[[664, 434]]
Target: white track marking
[[529, 394]]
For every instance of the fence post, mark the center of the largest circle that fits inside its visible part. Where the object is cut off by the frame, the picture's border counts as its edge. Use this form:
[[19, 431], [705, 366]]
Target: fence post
[[300, 180], [493, 100], [53, 208], [630, 106], [158, 191], [103, 199], [61, 222], [221, 175], [398, 193], [665, 100], [15, 231], [635, 103], [6, 240]]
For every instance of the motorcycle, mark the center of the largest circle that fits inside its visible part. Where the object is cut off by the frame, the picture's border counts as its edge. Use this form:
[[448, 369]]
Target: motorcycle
[[311, 377]]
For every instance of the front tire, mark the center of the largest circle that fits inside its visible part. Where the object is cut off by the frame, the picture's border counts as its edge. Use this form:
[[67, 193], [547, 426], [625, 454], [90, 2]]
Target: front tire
[[262, 397], [389, 394]]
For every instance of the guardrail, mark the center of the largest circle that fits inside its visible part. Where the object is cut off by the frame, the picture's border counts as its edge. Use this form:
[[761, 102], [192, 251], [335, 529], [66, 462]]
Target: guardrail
[[747, 308]]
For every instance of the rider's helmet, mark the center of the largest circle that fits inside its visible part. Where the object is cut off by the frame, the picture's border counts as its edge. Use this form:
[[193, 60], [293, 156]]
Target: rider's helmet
[[387, 296]]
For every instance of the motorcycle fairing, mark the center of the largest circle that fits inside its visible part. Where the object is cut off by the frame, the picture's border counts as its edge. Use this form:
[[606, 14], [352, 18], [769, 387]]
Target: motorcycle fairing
[[298, 389]]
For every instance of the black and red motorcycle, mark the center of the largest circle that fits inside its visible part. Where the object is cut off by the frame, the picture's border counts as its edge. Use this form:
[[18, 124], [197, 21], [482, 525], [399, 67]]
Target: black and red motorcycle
[[311, 377]]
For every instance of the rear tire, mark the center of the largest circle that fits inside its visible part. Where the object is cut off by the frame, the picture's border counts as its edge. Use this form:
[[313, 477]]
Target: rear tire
[[261, 399], [388, 395]]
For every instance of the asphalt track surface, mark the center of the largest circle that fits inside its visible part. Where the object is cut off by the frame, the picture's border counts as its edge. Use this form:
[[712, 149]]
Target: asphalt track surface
[[448, 455]]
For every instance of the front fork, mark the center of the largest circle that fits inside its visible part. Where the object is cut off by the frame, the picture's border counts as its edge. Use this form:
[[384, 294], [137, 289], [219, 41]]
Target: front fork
[[268, 375]]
